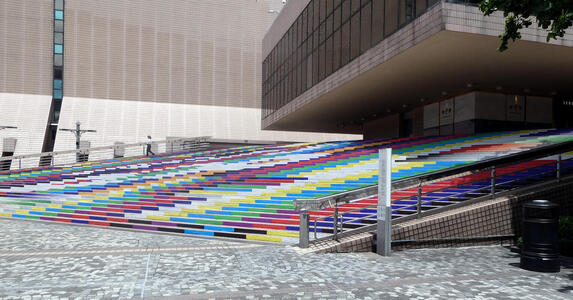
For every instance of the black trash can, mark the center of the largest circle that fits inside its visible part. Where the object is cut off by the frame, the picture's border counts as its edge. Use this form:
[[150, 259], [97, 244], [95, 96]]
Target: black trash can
[[540, 250]]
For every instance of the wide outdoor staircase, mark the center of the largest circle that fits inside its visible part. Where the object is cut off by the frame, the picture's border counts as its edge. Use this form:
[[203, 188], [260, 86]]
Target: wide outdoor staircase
[[250, 192]]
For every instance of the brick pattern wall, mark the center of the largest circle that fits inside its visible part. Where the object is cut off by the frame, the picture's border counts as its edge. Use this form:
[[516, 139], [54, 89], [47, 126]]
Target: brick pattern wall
[[461, 226]]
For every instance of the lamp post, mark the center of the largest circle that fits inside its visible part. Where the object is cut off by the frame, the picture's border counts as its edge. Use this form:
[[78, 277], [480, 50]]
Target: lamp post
[[78, 133]]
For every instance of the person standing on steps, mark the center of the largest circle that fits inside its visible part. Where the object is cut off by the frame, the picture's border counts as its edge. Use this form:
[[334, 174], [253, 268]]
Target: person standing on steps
[[149, 142]]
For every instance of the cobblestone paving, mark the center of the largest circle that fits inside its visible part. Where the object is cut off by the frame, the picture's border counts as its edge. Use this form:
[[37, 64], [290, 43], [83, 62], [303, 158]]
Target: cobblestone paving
[[41, 261]]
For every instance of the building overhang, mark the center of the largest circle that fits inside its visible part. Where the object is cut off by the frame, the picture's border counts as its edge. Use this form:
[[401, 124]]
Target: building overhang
[[450, 49]]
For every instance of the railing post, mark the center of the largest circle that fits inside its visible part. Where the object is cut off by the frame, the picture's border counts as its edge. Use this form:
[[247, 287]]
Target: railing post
[[304, 229], [492, 181], [19, 163], [419, 204], [335, 221], [559, 168]]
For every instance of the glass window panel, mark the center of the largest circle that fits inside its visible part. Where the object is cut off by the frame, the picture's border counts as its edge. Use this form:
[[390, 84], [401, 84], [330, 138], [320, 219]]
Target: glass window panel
[[406, 8], [336, 51], [328, 63], [310, 17], [59, 26], [322, 32], [355, 6], [58, 38], [322, 10], [309, 71], [57, 94], [58, 15], [390, 17], [345, 10], [365, 27], [329, 6], [377, 21], [329, 26], [315, 67], [420, 7], [58, 49], [315, 39], [303, 76], [432, 2], [316, 14], [336, 18], [336, 3], [321, 61], [345, 48], [355, 36], [59, 4], [304, 27], [57, 84]]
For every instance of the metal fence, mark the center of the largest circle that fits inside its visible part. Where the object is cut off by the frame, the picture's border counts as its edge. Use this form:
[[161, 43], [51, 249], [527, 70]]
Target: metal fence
[[119, 150], [344, 222]]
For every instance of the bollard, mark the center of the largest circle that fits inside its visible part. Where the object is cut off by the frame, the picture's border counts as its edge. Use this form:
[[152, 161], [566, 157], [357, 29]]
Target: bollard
[[304, 229]]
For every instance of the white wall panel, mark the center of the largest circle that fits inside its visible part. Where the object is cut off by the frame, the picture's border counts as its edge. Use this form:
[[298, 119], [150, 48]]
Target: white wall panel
[[131, 121], [30, 114]]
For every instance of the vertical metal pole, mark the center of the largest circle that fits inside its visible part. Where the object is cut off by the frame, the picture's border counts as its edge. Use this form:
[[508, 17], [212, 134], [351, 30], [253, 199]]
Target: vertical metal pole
[[419, 204], [19, 163], [492, 181], [335, 221], [559, 168], [303, 229], [384, 209]]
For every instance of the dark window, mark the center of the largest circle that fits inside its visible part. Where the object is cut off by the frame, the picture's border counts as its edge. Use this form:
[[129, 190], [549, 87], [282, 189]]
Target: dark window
[[303, 76], [355, 36], [315, 40], [365, 27], [329, 26], [329, 6], [390, 17], [336, 17], [345, 49], [315, 67], [336, 51], [355, 6], [309, 72], [328, 63], [321, 61], [58, 38], [420, 7], [377, 21], [59, 4], [316, 14], [322, 10], [345, 10], [58, 73], [322, 32], [406, 9], [432, 2]]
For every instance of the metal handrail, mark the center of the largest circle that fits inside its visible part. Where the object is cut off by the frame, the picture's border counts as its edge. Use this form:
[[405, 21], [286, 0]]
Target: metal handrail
[[340, 219], [348, 196], [50, 159]]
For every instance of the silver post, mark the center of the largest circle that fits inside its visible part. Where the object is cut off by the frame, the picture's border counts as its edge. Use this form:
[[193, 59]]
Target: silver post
[[559, 168], [492, 181], [384, 205], [419, 204], [19, 163], [303, 229], [335, 227]]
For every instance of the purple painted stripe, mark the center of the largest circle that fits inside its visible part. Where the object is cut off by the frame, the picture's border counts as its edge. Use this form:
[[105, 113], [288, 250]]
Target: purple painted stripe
[[158, 223], [144, 227], [115, 205], [237, 224], [65, 215], [257, 220], [276, 216], [288, 211], [47, 218], [99, 208]]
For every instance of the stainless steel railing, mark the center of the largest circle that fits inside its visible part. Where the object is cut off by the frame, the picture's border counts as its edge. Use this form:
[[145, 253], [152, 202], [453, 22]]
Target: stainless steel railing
[[59, 158]]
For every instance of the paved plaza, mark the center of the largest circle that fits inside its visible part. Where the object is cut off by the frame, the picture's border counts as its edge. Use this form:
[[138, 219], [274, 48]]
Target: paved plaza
[[52, 261]]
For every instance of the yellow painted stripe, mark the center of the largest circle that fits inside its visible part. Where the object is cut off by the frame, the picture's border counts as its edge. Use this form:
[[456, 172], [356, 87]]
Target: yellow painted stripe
[[264, 238], [282, 233], [5, 215], [159, 218]]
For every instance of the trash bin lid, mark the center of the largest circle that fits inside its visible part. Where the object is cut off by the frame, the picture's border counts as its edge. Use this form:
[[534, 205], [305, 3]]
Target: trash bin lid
[[541, 203]]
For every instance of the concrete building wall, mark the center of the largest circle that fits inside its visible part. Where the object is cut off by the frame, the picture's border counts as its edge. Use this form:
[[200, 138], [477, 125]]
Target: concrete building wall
[[137, 67]]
